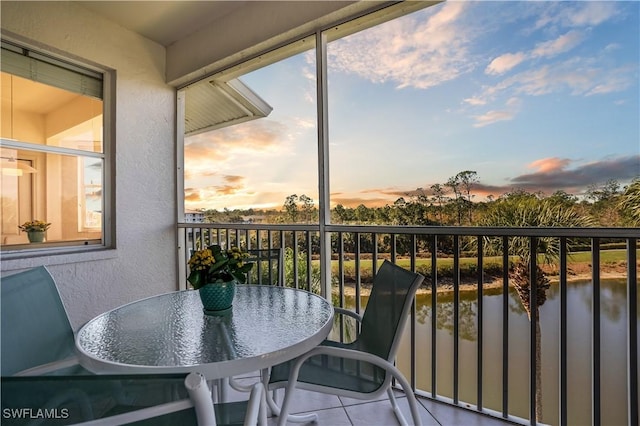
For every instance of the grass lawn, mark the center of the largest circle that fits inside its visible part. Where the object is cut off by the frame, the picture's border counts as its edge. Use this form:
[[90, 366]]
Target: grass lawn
[[468, 264]]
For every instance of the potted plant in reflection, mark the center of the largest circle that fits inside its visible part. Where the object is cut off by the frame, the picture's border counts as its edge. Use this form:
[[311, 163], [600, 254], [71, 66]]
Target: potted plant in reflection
[[35, 230], [214, 272]]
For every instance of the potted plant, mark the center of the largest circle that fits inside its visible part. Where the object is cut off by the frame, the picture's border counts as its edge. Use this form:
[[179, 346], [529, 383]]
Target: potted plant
[[214, 272], [35, 230]]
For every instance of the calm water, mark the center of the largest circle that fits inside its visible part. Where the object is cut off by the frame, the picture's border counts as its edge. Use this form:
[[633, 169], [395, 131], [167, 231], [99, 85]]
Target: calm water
[[579, 325]]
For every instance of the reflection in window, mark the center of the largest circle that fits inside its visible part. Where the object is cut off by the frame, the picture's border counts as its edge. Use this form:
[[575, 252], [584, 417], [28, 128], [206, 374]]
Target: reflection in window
[[90, 195]]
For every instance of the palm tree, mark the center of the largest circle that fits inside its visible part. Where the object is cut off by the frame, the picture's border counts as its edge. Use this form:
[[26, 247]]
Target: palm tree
[[630, 202], [527, 210]]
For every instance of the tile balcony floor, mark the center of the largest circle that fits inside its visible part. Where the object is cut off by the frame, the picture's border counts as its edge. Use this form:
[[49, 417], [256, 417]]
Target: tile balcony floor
[[339, 411]]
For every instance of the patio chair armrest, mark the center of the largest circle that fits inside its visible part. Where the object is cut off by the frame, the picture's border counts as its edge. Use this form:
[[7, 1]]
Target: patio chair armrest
[[350, 354], [348, 313], [343, 353], [39, 370]]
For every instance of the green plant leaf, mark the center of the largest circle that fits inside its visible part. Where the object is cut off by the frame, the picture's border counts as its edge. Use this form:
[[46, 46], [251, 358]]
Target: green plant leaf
[[240, 276], [245, 268], [195, 278], [220, 264]]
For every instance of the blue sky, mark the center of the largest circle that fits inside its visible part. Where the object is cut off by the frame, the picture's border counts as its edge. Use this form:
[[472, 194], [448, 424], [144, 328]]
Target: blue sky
[[542, 96]]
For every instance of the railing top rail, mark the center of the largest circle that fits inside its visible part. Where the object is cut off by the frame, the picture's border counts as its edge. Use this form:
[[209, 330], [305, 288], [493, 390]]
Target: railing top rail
[[433, 230], [493, 231], [252, 226]]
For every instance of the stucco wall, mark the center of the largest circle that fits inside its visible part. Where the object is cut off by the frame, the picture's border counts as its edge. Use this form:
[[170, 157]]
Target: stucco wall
[[144, 261]]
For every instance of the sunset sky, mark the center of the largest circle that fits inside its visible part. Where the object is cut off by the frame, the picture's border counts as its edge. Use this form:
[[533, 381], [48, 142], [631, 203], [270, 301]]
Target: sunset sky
[[542, 96]]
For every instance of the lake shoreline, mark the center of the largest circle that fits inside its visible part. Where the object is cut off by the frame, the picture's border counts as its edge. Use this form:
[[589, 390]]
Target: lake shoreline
[[446, 286]]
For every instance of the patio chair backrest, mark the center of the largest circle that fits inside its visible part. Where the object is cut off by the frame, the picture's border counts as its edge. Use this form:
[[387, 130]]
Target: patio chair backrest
[[34, 324], [385, 316], [268, 268]]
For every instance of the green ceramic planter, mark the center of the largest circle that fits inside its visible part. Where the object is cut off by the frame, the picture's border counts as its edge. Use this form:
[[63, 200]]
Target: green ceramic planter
[[217, 298]]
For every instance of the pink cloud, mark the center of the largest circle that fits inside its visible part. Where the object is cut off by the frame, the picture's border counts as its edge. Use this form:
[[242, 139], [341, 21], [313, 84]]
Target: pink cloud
[[551, 164]]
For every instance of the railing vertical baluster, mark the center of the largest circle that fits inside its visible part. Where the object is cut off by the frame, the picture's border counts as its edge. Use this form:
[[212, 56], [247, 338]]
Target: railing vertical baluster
[[632, 333], [185, 241], [434, 315], [309, 264], [358, 273], [456, 319], [394, 247], [270, 271], [413, 327], [283, 259], [414, 252], [374, 255], [479, 370], [505, 326], [533, 324], [595, 262], [341, 281], [296, 276], [259, 263], [563, 331]]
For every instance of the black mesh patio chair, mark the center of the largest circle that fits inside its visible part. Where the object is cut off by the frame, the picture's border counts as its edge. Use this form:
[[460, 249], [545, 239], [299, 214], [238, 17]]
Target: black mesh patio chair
[[151, 400], [364, 368]]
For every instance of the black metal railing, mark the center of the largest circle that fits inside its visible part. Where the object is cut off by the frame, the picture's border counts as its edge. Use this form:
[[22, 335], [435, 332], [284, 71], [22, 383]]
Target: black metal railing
[[438, 368]]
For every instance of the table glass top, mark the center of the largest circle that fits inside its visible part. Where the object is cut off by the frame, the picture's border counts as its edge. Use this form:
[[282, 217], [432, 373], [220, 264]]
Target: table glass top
[[172, 330]]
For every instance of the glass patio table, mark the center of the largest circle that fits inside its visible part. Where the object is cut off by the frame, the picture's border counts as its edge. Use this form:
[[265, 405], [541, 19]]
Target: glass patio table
[[169, 333]]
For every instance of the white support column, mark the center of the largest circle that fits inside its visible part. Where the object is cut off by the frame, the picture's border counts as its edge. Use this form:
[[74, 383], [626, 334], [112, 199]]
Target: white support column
[[181, 265], [324, 209]]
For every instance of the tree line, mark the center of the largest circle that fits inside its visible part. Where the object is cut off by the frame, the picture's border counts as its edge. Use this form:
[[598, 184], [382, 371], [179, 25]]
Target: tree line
[[452, 203]]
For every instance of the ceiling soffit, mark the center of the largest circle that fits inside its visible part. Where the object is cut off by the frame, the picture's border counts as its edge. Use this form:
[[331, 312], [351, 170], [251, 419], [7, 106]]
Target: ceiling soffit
[[214, 104]]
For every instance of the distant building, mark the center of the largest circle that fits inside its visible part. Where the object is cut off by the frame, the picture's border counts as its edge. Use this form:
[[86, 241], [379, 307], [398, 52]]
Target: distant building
[[193, 216]]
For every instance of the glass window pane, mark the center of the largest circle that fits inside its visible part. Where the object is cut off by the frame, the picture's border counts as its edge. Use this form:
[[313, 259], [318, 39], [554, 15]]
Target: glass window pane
[[257, 164], [63, 190], [435, 114], [40, 114]]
